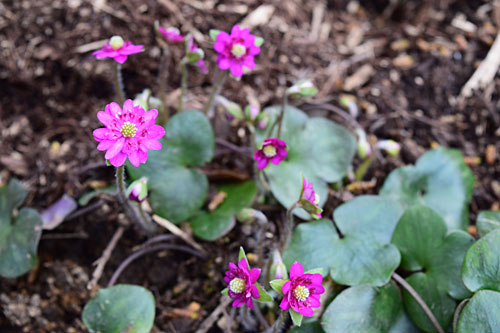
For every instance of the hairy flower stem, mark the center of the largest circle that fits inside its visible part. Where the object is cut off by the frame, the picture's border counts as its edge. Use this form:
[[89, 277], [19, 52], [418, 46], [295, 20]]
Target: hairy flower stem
[[288, 230], [183, 85], [419, 300], [137, 216], [282, 113], [278, 324], [162, 77], [215, 91], [118, 78]]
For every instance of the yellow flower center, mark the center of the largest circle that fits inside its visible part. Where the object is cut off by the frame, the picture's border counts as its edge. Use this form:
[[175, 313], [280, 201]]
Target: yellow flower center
[[269, 151], [301, 293], [116, 42], [238, 50], [237, 285], [128, 130]]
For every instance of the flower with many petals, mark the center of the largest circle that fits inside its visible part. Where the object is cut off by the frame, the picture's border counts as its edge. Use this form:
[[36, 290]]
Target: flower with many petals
[[236, 50], [241, 283], [129, 132], [302, 291], [117, 49], [172, 35], [309, 199], [273, 150]]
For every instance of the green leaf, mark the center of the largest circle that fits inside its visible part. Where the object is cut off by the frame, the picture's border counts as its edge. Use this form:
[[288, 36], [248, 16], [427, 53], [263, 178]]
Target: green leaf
[[367, 309], [242, 255], [488, 221], [315, 271], [277, 285], [352, 260], [296, 317], [19, 236], [318, 148], [440, 180], [309, 325], [176, 190], [364, 254], [481, 314], [263, 295], [224, 292], [436, 257], [481, 269], [120, 308], [212, 225]]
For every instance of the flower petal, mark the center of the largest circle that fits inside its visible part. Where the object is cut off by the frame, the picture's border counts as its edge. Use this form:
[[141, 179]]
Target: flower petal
[[115, 149], [286, 287], [284, 305], [118, 160], [254, 275], [105, 145], [296, 270]]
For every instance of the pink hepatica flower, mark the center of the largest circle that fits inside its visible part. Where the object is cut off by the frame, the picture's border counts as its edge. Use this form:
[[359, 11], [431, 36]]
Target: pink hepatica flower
[[172, 35], [129, 132], [236, 50], [117, 49], [273, 150], [241, 283], [309, 199], [302, 291], [193, 48]]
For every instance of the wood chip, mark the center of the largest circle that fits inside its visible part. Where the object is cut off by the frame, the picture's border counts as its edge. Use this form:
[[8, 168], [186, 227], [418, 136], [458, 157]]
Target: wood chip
[[217, 200], [261, 15], [490, 154], [359, 78], [403, 61]]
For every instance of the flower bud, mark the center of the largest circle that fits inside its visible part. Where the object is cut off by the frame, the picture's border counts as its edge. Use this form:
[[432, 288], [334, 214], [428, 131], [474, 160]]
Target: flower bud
[[391, 147], [231, 107], [138, 190], [303, 88], [349, 102], [262, 121], [278, 268], [251, 112], [116, 42], [364, 149]]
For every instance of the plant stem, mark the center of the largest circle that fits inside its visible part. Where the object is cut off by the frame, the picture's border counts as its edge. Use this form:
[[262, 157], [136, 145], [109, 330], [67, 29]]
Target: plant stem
[[362, 169], [282, 113], [118, 78], [419, 300], [458, 311], [162, 76], [290, 225], [183, 85], [139, 217], [279, 322], [215, 91]]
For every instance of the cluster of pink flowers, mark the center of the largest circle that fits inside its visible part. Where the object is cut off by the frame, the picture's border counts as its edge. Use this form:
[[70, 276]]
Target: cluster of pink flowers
[[273, 150], [117, 49], [129, 132], [242, 283], [236, 50], [192, 47]]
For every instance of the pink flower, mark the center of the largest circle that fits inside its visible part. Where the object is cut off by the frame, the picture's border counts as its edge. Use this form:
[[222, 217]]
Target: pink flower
[[309, 200], [117, 49], [172, 35], [193, 48], [241, 283], [236, 50], [130, 132], [302, 291], [273, 150]]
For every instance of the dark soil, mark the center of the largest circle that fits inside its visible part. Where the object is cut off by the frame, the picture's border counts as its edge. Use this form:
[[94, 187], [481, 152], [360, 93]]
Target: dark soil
[[50, 92]]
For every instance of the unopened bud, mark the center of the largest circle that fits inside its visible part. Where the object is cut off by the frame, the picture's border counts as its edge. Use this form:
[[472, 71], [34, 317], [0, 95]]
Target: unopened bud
[[138, 190], [251, 112], [364, 149], [262, 121], [278, 268], [246, 215], [231, 107], [391, 147], [303, 88]]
